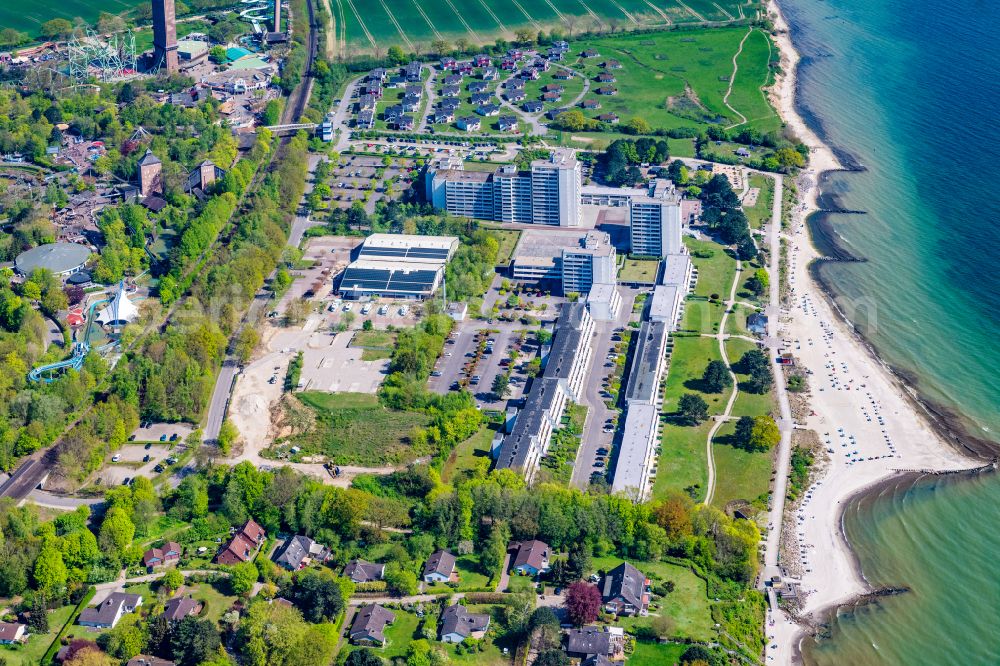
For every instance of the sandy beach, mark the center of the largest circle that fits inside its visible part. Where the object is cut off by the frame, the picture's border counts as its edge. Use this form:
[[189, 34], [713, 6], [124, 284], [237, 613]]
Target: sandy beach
[[868, 424]]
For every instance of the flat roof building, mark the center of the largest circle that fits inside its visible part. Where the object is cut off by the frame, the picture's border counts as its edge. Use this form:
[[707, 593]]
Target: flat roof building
[[548, 193], [655, 221], [561, 382], [398, 265], [648, 364], [637, 452], [604, 301], [594, 261], [572, 261], [677, 271]]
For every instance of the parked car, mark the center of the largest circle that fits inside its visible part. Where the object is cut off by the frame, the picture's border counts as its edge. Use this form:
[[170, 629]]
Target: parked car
[[116, 457], [148, 446]]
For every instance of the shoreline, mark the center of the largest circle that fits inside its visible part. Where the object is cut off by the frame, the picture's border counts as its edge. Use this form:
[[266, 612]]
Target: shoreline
[[910, 438]]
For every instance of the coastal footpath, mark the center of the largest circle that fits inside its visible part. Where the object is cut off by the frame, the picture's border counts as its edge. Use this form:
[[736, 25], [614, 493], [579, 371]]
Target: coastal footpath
[[869, 425]]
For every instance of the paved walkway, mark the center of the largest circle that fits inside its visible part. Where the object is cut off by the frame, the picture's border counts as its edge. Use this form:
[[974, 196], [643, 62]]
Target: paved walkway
[[786, 425]]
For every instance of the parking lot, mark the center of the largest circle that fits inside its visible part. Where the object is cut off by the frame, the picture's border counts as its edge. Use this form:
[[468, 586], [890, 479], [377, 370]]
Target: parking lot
[[161, 432], [359, 175], [134, 460]]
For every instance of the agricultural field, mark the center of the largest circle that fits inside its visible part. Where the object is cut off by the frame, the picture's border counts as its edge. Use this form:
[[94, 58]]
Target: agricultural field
[[375, 26], [28, 17]]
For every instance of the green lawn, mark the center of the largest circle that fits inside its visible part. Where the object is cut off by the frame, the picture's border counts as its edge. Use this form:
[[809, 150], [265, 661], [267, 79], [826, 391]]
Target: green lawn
[[679, 79], [688, 604], [520, 583], [354, 429], [760, 213], [470, 577], [399, 634], [508, 241], [682, 463], [656, 654], [739, 474], [747, 404], [30, 654], [374, 338], [490, 656], [736, 322], [375, 345], [642, 271], [743, 293], [467, 455], [715, 272]]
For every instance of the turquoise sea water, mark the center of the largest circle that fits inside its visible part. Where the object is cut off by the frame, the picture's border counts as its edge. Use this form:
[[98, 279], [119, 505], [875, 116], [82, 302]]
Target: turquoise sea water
[[910, 90]]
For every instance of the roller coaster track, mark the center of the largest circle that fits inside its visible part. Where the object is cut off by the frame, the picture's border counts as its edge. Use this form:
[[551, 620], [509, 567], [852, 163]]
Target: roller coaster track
[[35, 469]]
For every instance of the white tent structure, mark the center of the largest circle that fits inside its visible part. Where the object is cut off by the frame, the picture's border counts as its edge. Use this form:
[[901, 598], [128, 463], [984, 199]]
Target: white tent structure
[[120, 311]]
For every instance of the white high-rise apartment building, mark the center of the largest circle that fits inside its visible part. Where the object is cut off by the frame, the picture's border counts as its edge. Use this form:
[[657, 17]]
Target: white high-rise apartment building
[[549, 193], [555, 190], [655, 221]]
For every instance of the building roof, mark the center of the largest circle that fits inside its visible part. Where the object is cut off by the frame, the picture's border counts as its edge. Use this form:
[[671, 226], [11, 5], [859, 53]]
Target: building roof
[[146, 660], [399, 275], [10, 631], [119, 311], [638, 433], [664, 306], [370, 622], [192, 47], [149, 158], [153, 554], [441, 562], [627, 582], [676, 271], [458, 620], [237, 549], [588, 641], [179, 608], [413, 245], [542, 248], [253, 531], [295, 550], [361, 571], [532, 553], [56, 257], [108, 610], [643, 379]]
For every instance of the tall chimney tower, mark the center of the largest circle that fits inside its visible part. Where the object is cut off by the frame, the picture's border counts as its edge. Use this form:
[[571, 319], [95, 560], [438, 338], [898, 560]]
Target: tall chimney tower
[[165, 35], [277, 15]]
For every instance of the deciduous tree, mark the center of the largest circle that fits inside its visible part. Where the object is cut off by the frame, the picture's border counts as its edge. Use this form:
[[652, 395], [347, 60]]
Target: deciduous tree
[[583, 603], [692, 408]]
